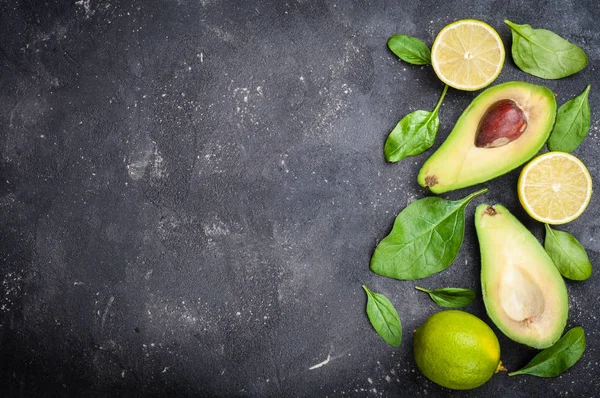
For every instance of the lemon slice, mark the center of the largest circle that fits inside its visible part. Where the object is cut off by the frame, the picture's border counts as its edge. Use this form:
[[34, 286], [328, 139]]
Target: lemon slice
[[467, 54], [555, 188]]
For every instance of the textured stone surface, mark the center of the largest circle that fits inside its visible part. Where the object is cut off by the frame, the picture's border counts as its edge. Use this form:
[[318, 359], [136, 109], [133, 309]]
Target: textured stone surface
[[191, 190]]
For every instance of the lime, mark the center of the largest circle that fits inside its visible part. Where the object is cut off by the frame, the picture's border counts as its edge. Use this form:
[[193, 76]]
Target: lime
[[467, 54], [457, 350], [555, 188]]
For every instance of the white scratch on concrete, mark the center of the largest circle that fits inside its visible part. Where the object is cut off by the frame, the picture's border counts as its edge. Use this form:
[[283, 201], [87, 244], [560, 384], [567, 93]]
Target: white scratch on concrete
[[325, 362], [106, 309]]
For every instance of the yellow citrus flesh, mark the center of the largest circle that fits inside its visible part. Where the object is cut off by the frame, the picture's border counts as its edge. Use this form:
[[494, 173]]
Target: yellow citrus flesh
[[555, 188], [467, 54], [457, 350]]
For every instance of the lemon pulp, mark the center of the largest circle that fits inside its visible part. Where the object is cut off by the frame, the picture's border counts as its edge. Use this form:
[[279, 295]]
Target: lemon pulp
[[467, 54], [555, 188]]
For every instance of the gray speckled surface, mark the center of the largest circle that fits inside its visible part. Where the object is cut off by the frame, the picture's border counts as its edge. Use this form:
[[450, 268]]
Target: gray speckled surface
[[191, 190]]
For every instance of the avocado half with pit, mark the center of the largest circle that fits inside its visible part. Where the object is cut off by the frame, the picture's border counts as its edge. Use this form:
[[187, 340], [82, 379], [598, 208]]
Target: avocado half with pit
[[504, 126], [523, 292]]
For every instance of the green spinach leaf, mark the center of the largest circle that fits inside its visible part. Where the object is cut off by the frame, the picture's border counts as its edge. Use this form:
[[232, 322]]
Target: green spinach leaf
[[572, 124], [384, 317], [450, 297], [425, 239], [556, 359], [544, 54], [414, 134], [568, 254], [410, 49]]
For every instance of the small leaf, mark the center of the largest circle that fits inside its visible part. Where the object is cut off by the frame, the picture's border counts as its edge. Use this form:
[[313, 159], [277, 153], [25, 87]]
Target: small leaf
[[450, 297], [384, 317], [425, 239], [568, 254], [544, 54], [414, 134], [410, 49], [556, 359], [573, 122]]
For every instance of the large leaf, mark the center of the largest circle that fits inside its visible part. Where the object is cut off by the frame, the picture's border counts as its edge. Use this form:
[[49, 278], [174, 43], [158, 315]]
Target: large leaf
[[544, 54], [425, 239]]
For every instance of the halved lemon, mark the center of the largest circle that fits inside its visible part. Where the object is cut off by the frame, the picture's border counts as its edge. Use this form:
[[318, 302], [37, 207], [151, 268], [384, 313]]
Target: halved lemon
[[467, 54], [555, 188]]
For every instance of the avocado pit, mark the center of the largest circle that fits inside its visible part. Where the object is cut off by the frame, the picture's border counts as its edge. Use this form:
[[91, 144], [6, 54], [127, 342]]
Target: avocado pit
[[503, 122], [522, 297]]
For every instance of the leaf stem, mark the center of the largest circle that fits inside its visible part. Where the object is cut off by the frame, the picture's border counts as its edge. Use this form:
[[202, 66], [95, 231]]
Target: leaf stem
[[475, 194], [422, 289], [439, 103], [513, 26]]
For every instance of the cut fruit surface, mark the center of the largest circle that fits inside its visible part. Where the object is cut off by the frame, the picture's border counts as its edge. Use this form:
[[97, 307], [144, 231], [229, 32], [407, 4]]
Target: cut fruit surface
[[555, 188], [522, 297], [467, 54], [524, 294], [459, 162]]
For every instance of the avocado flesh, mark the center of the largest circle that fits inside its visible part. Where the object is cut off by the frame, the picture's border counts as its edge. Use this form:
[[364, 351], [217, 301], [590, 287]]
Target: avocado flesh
[[458, 163], [524, 294]]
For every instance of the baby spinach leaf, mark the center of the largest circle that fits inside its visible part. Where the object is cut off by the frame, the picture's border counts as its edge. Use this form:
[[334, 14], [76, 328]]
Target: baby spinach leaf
[[556, 359], [572, 124], [544, 54], [384, 317], [410, 49], [414, 134], [425, 238], [568, 254], [450, 297]]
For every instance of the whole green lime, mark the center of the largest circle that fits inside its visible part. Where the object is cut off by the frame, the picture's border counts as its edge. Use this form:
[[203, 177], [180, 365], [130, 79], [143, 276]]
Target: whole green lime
[[457, 350]]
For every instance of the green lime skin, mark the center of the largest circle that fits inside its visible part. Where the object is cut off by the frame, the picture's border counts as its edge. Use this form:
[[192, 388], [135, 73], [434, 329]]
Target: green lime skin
[[457, 350]]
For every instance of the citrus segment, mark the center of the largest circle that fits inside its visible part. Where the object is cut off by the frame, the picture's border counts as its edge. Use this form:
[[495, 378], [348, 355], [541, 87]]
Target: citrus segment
[[467, 54], [555, 188]]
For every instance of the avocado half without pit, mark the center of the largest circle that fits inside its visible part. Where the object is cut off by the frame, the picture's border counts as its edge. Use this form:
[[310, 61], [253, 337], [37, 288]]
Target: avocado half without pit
[[523, 292], [504, 126]]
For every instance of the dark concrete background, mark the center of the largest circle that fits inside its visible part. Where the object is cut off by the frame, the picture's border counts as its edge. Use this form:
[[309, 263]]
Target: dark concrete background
[[190, 193]]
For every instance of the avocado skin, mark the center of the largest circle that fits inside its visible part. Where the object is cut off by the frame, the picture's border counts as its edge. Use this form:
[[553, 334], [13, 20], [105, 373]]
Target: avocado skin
[[459, 163]]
